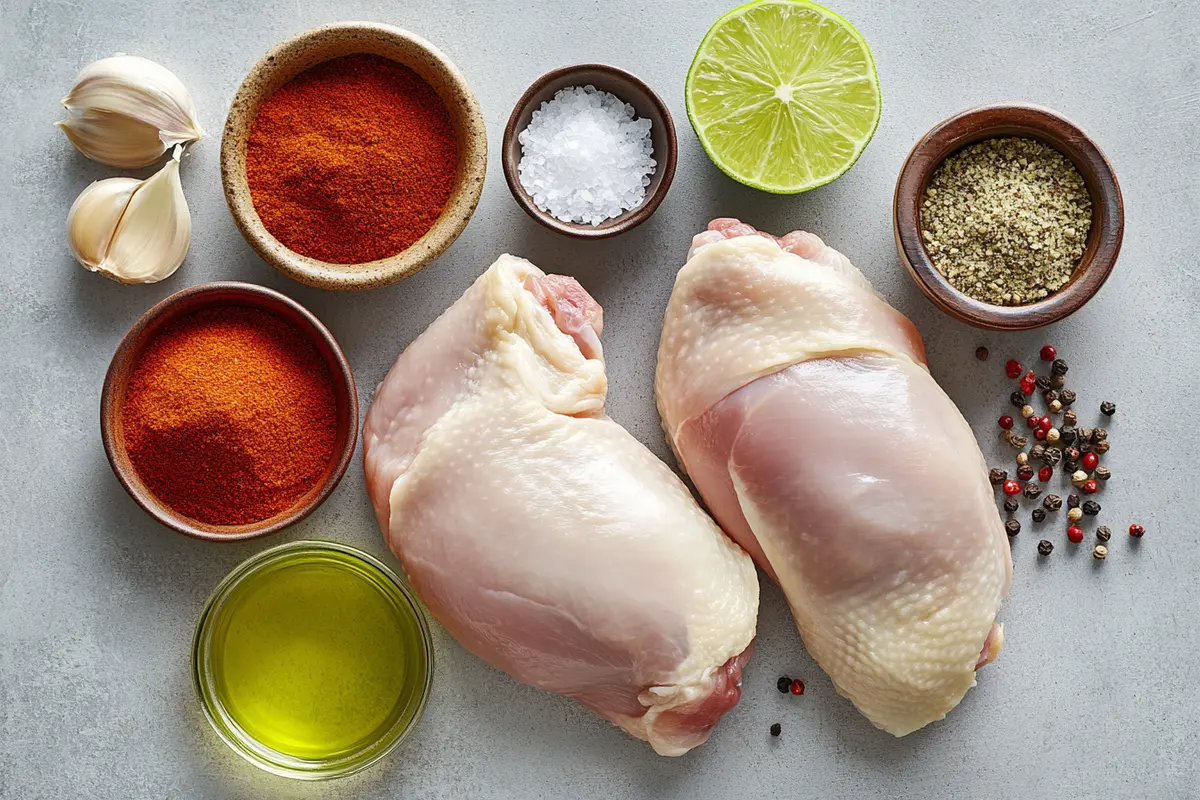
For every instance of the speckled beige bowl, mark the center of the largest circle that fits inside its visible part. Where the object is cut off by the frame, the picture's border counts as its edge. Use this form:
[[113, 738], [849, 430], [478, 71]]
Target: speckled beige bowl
[[299, 53]]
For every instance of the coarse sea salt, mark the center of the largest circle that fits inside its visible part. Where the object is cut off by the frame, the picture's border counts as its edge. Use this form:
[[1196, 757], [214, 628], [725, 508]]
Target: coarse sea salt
[[585, 157]]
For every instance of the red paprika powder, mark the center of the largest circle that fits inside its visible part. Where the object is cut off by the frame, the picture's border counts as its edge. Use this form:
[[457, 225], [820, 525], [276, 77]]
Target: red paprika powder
[[352, 160], [230, 417]]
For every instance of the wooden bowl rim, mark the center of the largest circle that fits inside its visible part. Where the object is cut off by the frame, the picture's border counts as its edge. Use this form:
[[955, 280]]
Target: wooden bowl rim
[[449, 225], [1010, 119], [121, 366], [628, 220]]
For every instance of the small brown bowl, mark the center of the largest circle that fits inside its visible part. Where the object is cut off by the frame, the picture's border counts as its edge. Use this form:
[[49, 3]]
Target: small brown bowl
[[293, 56], [133, 346], [647, 105], [988, 122]]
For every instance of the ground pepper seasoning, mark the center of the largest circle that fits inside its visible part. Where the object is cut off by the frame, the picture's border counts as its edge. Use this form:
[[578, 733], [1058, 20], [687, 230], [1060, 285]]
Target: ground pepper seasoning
[[230, 415], [352, 160]]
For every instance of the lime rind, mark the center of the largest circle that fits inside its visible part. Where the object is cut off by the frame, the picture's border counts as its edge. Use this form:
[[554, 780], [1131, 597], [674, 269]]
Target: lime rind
[[783, 95]]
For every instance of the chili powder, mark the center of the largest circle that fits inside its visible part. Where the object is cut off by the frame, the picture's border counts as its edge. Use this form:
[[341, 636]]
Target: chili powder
[[352, 160], [229, 417]]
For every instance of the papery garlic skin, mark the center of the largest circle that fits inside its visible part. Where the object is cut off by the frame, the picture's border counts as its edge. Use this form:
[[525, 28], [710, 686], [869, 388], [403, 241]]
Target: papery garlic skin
[[126, 111], [132, 231]]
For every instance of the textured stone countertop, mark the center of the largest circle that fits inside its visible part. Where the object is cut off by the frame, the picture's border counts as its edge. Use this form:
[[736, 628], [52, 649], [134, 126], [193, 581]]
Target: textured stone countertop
[[1097, 693]]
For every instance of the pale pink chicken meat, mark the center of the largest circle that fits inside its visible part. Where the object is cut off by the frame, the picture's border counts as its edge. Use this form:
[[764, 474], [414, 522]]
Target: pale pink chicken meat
[[541, 534], [800, 404]]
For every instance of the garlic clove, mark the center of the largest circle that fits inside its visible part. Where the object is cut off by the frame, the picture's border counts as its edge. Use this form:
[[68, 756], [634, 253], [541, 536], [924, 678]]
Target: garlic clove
[[126, 111], [132, 231]]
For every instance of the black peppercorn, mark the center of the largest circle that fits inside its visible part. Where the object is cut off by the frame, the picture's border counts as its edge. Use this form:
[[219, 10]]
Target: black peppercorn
[[1032, 490], [776, 729], [1017, 399], [1057, 381], [783, 684], [1108, 409], [1011, 505], [1025, 473], [1067, 434], [1052, 456], [1012, 527], [1045, 547], [1100, 435], [1085, 435], [1018, 442], [1102, 473], [1052, 502], [997, 476], [1101, 446], [1070, 467], [1043, 383], [1070, 418], [1103, 533], [1058, 367], [1071, 454], [1091, 508], [1072, 501], [1039, 515], [982, 353], [1066, 397], [1049, 396]]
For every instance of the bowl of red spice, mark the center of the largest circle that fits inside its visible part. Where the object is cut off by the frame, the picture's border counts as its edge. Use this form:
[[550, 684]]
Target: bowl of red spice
[[229, 412], [354, 154]]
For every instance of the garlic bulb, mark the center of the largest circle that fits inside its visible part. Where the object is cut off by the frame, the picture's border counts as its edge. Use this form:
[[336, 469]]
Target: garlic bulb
[[127, 111], [132, 231]]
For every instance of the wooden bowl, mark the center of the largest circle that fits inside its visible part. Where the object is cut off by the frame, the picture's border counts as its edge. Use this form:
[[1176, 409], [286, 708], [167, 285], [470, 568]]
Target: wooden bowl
[[133, 346], [647, 105], [310, 48], [987, 122]]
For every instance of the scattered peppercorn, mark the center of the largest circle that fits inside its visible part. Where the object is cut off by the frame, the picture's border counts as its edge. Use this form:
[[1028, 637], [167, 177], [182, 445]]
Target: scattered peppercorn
[[797, 686], [1012, 527], [1017, 399], [1011, 488], [1057, 381], [1072, 501], [1027, 413], [1071, 454], [783, 684], [1103, 533], [1049, 395], [1053, 435], [1079, 477], [1074, 514], [1100, 435], [1045, 423], [1018, 441], [1136, 531], [1039, 515], [1052, 502], [997, 476], [1101, 446], [1025, 473], [1022, 459], [1052, 455], [1066, 397], [1108, 409], [1038, 453], [1075, 534], [776, 729], [1005, 422], [1100, 552], [1032, 491], [1055, 406], [1070, 466], [1044, 474], [1027, 387], [1048, 353], [1090, 486], [982, 353], [1045, 547], [1013, 368], [1067, 434], [1011, 505], [1089, 460], [1091, 508], [1043, 383], [1070, 418], [1102, 473], [1085, 435], [1059, 367], [1039, 434]]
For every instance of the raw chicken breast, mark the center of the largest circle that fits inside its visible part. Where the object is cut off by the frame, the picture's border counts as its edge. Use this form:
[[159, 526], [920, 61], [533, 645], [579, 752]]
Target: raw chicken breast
[[546, 539], [800, 404]]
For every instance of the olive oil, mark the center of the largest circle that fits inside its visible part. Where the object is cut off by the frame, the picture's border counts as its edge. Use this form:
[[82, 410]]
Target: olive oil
[[314, 653]]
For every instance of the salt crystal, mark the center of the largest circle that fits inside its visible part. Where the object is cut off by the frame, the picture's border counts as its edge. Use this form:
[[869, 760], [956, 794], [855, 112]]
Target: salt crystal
[[584, 157]]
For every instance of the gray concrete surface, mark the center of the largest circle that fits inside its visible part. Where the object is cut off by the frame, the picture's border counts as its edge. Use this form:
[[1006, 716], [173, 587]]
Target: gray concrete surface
[[1096, 694]]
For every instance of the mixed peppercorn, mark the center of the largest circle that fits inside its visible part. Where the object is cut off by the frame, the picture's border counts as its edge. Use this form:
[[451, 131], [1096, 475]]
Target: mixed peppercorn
[[1058, 442]]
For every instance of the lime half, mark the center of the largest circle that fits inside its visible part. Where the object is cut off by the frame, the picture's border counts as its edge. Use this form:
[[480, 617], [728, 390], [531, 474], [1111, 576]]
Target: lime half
[[783, 95]]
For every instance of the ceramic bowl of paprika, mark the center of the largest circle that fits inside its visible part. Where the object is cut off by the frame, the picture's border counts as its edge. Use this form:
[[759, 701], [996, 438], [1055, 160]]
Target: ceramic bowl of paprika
[[317, 46], [216, 296]]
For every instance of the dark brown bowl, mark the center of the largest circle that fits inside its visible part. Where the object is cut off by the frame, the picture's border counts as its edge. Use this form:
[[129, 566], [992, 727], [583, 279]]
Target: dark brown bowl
[[646, 104], [987, 122], [133, 346]]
